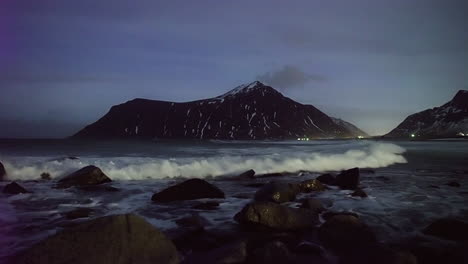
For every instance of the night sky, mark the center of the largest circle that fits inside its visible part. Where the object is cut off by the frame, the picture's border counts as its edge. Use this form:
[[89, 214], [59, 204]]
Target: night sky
[[64, 63]]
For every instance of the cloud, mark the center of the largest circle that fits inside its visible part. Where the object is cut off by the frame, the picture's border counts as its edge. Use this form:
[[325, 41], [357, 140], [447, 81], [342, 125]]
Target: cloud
[[289, 77]]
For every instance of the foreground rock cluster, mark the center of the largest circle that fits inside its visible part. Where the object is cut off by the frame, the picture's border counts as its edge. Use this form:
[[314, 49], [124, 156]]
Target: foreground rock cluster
[[269, 229]]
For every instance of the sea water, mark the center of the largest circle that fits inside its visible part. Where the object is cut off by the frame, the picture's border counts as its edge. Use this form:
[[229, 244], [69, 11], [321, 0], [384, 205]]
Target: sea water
[[406, 184]]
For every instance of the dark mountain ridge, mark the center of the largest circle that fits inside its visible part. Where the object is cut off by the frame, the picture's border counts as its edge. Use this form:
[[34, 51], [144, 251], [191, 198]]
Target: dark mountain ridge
[[448, 120], [252, 111]]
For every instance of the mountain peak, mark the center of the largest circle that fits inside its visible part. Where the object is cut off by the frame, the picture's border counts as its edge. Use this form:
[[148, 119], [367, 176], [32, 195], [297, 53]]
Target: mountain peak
[[249, 88], [461, 99]]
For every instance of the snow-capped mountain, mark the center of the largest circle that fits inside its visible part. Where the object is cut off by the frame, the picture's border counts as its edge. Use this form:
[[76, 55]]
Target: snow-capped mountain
[[252, 111], [354, 129], [449, 120]]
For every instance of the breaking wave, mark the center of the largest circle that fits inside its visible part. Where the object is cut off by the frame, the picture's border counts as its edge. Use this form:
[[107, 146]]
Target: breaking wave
[[374, 155]]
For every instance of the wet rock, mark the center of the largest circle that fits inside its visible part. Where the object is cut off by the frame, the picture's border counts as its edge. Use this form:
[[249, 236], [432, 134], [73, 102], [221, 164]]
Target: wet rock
[[188, 190], [255, 184], [309, 248], [328, 215], [314, 205], [345, 233], [327, 179], [273, 252], [89, 175], [46, 176], [119, 239], [311, 186], [193, 221], [2, 172], [349, 179], [247, 175], [274, 216], [271, 175], [79, 213], [228, 254], [206, 206], [454, 184], [450, 229], [359, 193], [14, 188], [277, 192]]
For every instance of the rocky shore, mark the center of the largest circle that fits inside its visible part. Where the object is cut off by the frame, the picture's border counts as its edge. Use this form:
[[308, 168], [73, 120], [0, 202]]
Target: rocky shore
[[283, 222]]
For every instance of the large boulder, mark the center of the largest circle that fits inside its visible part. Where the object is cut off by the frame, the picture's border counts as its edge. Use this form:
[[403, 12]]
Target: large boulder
[[188, 190], [118, 239], [273, 252], [2, 172], [313, 204], [250, 174], [277, 192], [274, 216], [314, 185], [345, 233], [89, 175], [450, 229], [349, 179], [14, 188], [327, 179]]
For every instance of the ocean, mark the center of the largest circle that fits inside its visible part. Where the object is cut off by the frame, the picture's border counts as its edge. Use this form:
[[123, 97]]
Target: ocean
[[406, 181]]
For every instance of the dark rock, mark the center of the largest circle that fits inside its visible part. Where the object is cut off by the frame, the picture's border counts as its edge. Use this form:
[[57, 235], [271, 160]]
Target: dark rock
[[311, 186], [359, 193], [273, 252], [206, 206], [188, 190], [344, 233], [277, 192], [231, 253], [271, 175], [313, 204], [119, 239], [349, 179], [454, 184], [2, 172], [274, 216], [14, 188], [434, 186], [327, 179], [450, 229], [247, 175], [309, 248], [89, 175], [328, 215], [255, 184], [79, 213], [368, 171], [46, 176]]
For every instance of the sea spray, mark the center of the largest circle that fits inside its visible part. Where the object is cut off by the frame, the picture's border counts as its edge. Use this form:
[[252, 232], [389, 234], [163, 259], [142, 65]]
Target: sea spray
[[372, 155]]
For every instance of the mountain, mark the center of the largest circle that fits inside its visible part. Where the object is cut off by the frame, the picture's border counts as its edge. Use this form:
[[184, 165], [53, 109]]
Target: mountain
[[252, 111], [352, 128], [449, 120]]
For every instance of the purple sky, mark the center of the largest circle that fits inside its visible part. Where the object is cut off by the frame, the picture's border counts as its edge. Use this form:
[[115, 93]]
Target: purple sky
[[64, 63]]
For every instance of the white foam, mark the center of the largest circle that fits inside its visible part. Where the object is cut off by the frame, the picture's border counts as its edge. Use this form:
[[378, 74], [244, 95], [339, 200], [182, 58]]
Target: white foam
[[374, 155]]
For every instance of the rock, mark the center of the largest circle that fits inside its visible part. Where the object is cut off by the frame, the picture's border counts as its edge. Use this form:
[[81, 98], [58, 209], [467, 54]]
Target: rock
[[277, 192], [247, 175], [206, 206], [98, 188], [271, 175], [328, 215], [188, 190], [313, 204], [359, 193], [2, 172], [194, 221], [228, 254], [309, 248], [273, 252], [349, 179], [119, 239], [255, 184], [311, 186], [345, 233], [14, 188], [454, 184], [79, 213], [274, 216], [89, 175], [450, 229], [46, 176], [327, 179]]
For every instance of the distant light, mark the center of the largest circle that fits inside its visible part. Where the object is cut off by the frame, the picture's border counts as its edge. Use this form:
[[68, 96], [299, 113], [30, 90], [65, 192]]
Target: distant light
[[461, 134], [360, 137], [307, 139], [299, 139], [413, 135]]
